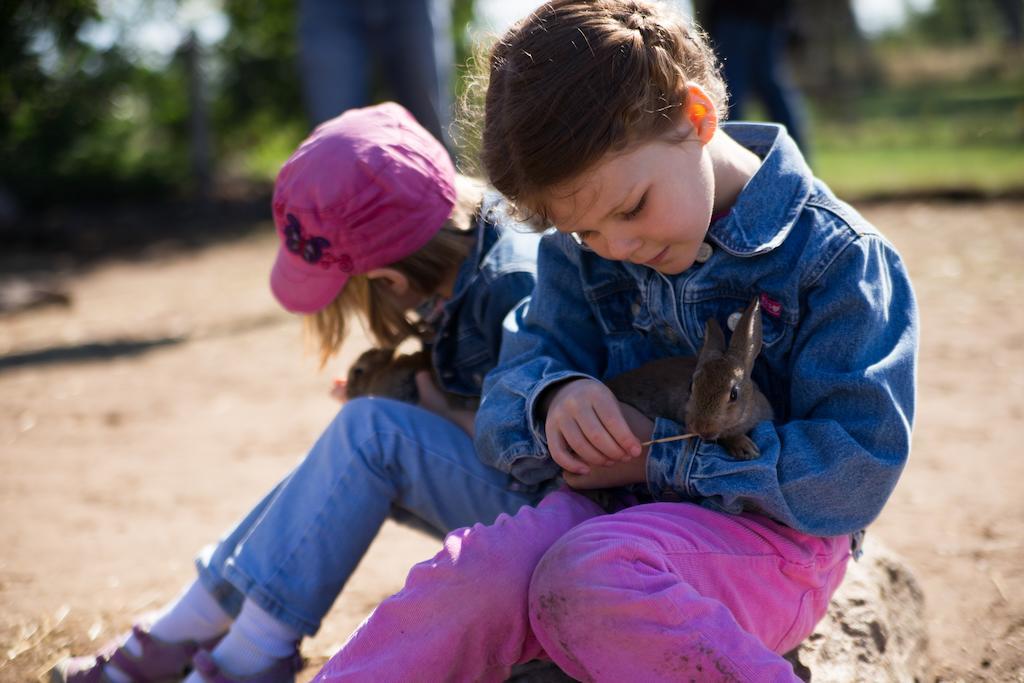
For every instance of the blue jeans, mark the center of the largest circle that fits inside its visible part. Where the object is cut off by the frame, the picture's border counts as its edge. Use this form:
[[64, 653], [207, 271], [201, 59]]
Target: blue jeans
[[409, 43], [294, 551], [754, 64]]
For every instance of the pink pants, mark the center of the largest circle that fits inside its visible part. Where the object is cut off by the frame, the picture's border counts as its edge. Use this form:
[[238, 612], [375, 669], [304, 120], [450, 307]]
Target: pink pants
[[657, 592]]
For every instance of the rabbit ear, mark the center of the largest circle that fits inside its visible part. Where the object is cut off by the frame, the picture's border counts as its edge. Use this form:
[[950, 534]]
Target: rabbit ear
[[714, 340], [747, 337]]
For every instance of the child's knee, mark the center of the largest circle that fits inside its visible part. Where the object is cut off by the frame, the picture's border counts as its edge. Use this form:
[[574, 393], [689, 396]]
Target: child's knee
[[359, 430], [477, 565], [357, 412], [591, 563], [499, 559], [363, 419]]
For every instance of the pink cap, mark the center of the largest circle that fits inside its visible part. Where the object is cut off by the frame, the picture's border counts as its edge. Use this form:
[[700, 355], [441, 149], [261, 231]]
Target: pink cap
[[365, 190]]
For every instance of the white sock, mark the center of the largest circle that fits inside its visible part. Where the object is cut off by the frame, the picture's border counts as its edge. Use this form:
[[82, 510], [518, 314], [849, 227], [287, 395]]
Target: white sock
[[193, 615], [255, 641]]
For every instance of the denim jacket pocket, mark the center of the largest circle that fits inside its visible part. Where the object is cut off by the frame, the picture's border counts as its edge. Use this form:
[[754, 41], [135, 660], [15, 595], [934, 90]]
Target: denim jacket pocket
[[618, 308], [727, 307], [614, 304]]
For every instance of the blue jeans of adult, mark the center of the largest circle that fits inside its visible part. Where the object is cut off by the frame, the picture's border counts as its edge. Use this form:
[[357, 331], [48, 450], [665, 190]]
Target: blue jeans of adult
[[294, 551], [753, 64], [408, 41]]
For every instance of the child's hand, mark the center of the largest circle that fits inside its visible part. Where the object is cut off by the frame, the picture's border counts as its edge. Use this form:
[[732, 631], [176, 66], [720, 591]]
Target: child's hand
[[432, 399], [633, 471], [586, 427]]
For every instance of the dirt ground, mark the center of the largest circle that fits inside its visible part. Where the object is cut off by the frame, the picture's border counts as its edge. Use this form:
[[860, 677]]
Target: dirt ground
[[141, 420]]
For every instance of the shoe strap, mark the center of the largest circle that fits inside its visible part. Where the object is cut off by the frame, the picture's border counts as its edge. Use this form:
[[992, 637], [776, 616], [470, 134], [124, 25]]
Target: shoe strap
[[204, 664], [134, 666]]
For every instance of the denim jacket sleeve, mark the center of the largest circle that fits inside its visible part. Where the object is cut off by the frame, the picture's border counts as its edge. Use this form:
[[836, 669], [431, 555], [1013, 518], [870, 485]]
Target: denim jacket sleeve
[[535, 354], [829, 468]]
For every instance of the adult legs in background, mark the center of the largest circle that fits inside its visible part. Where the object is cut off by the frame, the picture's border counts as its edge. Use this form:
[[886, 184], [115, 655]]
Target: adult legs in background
[[334, 57], [418, 57], [773, 82], [754, 63], [409, 41]]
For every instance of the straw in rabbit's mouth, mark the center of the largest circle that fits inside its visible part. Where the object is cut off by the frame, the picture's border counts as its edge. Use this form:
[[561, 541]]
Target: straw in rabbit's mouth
[[668, 438]]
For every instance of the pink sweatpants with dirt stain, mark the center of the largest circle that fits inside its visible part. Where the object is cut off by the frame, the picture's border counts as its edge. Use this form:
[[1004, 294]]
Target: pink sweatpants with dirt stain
[[656, 592]]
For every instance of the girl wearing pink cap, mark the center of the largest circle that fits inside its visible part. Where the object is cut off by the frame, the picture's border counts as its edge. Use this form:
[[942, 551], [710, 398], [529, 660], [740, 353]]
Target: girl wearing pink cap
[[374, 223]]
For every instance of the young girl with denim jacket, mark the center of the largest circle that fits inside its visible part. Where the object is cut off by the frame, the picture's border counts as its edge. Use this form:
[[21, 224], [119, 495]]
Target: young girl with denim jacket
[[602, 118], [374, 223]]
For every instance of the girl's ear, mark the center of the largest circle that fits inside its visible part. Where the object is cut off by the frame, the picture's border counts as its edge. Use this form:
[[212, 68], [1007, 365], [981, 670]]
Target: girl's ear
[[397, 282], [701, 112]]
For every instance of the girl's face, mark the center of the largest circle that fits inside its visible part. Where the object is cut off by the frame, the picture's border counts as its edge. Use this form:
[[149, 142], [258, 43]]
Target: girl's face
[[650, 205]]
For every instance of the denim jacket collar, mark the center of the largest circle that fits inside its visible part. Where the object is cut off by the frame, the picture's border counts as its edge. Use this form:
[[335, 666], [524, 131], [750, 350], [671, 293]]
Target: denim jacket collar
[[773, 198], [487, 235]]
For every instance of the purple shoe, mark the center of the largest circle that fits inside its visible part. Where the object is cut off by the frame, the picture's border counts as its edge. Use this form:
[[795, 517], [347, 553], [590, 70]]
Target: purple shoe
[[159, 662], [281, 671]]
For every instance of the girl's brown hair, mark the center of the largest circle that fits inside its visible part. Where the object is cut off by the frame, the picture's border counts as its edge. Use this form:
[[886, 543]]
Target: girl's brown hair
[[580, 78], [371, 301]]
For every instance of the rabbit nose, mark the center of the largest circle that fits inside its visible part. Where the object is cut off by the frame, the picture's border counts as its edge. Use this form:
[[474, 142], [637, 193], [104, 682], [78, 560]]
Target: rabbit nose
[[706, 432]]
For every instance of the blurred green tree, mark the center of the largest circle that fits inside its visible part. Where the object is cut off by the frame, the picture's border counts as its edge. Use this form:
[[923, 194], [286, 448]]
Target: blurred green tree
[[258, 88], [959, 21], [80, 123]]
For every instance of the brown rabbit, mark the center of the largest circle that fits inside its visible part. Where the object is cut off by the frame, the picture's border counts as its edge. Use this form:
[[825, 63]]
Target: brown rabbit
[[380, 372], [712, 394]]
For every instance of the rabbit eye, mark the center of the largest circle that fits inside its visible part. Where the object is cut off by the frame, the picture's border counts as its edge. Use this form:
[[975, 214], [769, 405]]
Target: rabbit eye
[[734, 394], [356, 372]]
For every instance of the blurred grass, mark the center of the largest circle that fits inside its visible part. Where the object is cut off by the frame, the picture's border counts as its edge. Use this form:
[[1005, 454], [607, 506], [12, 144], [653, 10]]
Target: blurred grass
[[933, 131], [910, 170], [267, 149]]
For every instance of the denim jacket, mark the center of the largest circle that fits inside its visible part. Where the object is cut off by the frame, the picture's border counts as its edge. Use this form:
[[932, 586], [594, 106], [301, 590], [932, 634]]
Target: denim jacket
[[498, 276], [838, 361]]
